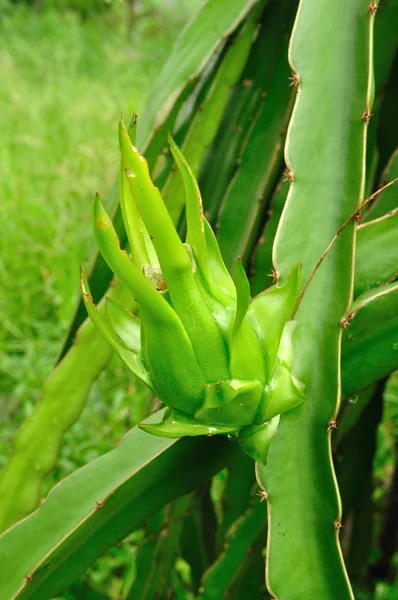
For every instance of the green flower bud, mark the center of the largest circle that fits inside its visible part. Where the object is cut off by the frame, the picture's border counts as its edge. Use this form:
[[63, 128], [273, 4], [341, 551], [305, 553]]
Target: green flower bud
[[220, 361]]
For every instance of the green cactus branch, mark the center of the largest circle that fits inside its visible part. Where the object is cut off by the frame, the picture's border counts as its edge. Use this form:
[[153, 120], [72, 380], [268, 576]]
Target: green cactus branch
[[333, 105], [98, 505]]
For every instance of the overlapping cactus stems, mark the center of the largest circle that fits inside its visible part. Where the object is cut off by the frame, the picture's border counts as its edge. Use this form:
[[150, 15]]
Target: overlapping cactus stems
[[219, 361]]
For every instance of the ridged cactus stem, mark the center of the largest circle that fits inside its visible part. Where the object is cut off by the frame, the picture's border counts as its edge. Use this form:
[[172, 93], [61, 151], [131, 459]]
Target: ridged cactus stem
[[331, 58]]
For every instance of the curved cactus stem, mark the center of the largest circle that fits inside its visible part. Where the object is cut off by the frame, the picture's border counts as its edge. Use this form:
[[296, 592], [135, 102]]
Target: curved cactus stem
[[204, 126], [325, 152], [98, 505], [194, 47], [37, 443], [370, 339], [126, 325], [376, 258], [387, 200], [220, 579]]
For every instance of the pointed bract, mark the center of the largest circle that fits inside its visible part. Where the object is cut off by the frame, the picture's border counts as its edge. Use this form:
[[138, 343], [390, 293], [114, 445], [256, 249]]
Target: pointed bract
[[126, 325], [272, 309], [255, 440], [177, 424], [132, 220], [100, 322], [194, 209]]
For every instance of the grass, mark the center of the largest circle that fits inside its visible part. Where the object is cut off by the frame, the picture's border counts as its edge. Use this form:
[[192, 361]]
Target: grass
[[65, 82]]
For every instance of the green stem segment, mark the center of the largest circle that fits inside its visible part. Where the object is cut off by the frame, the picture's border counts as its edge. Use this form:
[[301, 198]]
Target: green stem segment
[[325, 153]]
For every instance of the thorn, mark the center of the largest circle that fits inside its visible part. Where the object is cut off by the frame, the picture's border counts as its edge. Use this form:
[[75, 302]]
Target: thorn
[[274, 275], [98, 505], [247, 83], [372, 8], [345, 321], [263, 495], [295, 80], [28, 578], [288, 176], [332, 425], [338, 525], [366, 116]]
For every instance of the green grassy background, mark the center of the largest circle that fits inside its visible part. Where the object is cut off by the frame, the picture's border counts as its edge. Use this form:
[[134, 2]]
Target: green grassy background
[[64, 82], [65, 79]]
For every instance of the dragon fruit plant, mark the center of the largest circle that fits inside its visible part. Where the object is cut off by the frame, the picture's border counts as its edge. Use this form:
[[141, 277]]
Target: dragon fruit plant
[[220, 361], [290, 142]]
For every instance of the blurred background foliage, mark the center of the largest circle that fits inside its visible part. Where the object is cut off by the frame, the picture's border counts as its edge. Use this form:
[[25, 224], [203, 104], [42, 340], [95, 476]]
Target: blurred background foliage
[[67, 70]]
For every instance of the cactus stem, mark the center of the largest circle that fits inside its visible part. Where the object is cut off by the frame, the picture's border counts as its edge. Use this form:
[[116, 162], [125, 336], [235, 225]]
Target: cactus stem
[[355, 215]]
